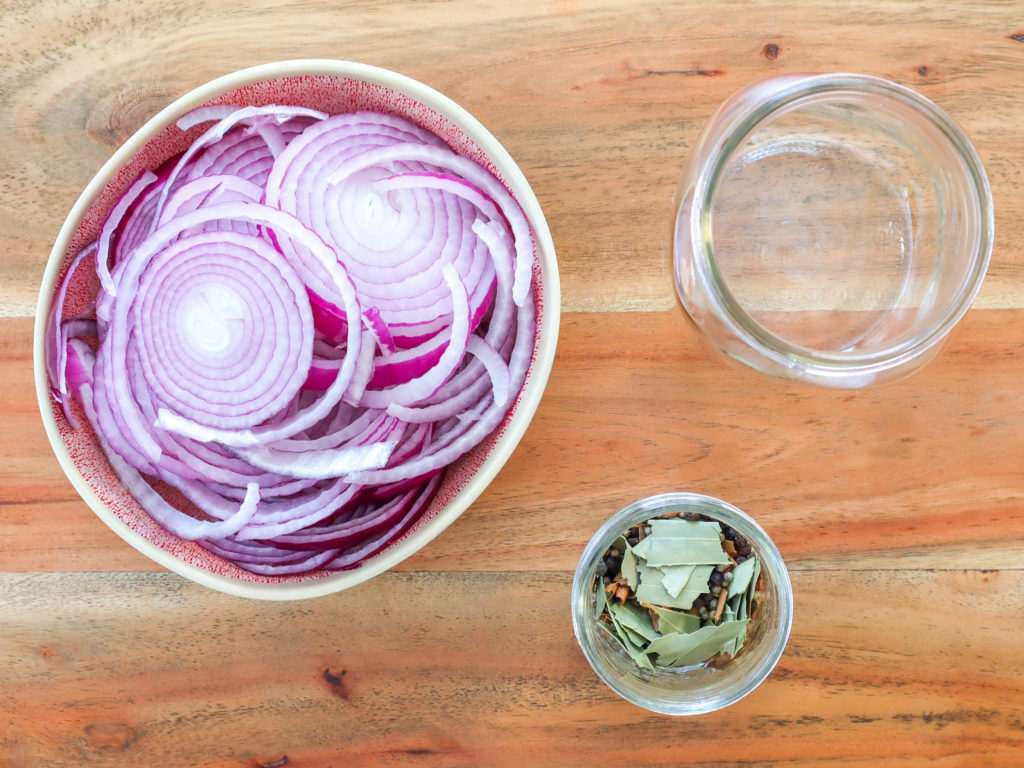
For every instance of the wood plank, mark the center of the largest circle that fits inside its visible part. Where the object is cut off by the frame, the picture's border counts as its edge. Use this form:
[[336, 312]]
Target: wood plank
[[922, 473], [898, 509], [144, 669], [598, 102]]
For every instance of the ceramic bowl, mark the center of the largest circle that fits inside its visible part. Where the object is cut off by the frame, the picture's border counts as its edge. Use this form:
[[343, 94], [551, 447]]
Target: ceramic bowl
[[334, 87]]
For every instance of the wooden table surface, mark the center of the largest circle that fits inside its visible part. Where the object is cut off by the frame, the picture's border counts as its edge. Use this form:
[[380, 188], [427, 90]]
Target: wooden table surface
[[898, 510]]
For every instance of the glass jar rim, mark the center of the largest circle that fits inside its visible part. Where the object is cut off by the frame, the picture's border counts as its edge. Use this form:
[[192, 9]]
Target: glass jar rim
[[742, 124], [772, 563]]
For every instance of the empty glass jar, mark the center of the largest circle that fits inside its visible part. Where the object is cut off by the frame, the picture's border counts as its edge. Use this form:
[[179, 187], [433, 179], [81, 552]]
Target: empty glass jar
[[831, 228]]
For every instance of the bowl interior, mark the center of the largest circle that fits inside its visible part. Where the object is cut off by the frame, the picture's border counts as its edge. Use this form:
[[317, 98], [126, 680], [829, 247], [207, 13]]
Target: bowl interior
[[333, 87]]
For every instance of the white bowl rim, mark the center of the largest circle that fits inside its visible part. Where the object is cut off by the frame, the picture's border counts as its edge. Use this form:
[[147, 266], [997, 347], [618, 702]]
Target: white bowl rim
[[495, 460]]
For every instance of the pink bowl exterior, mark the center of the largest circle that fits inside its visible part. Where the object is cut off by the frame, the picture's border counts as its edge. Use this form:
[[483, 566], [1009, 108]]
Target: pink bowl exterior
[[333, 87]]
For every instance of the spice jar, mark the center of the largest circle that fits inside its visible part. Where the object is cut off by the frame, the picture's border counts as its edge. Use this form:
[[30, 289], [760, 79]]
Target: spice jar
[[694, 688]]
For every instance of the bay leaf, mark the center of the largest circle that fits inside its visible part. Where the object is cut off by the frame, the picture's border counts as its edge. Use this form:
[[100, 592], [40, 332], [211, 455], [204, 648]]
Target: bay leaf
[[641, 658], [611, 615], [633, 650], [652, 592], [615, 622], [636, 619], [616, 632], [676, 621], [635, 637], [700, 579], [636, 652], [683, 650], [741, 606], [754, 577], [749, 594], [613, 635], [730, 647], [691, 529], [741, 576], [684, 542], [643, 548], [674, 577], [628, 568], [737, 643]]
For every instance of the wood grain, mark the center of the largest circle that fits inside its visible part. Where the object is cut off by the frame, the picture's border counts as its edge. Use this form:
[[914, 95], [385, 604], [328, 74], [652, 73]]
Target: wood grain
[[145, 669], [921, 473], [897, 509], [598, 102]]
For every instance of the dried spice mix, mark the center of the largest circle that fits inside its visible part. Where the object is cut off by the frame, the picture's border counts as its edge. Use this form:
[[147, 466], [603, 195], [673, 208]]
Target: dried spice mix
[[678, 590]]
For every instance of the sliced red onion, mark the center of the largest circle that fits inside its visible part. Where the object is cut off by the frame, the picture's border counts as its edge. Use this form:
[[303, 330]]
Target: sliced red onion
[[139, 220], [301, 322], [79, 366], [288, 518], [186, 318], [473, 173], [57, 334], [381, 333], [440, 454], [305, 564], [420, 388], [353, 531], [392, 243], [322, 374], [207, 190], [496, 368], [206, 114], [360, 553], [444, 182], [110, 226], [217, 132], [363, 370], [341, 287], [406, 364], [173, 520], [319, 465]]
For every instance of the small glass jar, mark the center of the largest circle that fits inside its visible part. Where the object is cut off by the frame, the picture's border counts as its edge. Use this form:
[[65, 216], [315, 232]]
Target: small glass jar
[[697, 689], [831, 228]]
